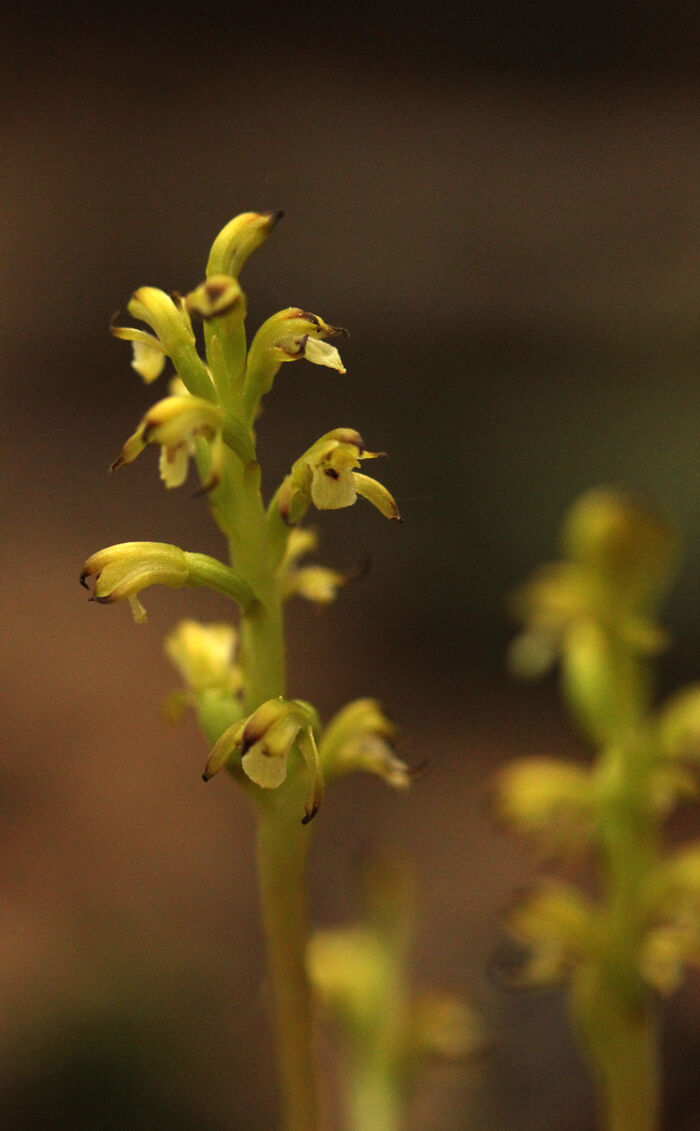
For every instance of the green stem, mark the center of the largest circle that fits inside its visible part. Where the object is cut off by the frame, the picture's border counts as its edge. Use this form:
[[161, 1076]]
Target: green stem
[[191, 369], [226, 351], [262, 628], [612, 1003], [283, 845], [630, 1088], [621, 1039], [214, 574], [373, 1098]]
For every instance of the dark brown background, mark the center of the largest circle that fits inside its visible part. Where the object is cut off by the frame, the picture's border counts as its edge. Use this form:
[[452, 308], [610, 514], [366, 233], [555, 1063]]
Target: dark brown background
[[503, 209]]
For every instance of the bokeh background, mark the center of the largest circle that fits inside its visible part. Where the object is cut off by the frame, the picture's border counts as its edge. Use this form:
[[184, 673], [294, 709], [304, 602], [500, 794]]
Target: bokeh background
[[502, 206]]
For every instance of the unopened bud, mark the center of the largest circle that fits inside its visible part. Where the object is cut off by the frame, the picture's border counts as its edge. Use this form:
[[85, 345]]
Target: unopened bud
[[239, 239]]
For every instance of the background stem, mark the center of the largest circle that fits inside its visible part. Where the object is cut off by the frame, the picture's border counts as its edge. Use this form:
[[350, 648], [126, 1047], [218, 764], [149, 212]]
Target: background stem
[[612, 1006], [374, 1102]]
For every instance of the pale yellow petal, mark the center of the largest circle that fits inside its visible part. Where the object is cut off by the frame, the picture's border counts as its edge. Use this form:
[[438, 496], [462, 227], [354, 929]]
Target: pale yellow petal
[[148, 360], [321, 353], [266, 770], [173, 465], [332, 490]]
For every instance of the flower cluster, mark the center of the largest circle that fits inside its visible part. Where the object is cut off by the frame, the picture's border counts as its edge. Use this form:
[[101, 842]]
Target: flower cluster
[[209, 417], [595, 611]]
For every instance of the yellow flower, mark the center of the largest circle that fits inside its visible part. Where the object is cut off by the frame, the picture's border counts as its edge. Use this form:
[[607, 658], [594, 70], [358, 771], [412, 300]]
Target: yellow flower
[[316, 583], [264, 741], [148, 354], [558, 927], [173, 331], [203, 655], [549, 799], [325, 476], [360, 738], [122, 571], [289, 335], [174, 424], [172, 337]]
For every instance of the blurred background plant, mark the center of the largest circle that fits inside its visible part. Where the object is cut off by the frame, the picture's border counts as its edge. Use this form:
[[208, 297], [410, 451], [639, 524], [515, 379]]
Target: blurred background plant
[[501, 206], [594, 612], [388, 1030]]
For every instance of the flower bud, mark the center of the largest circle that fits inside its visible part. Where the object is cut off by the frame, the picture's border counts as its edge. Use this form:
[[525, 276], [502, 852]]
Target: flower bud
[[239, 239], [218, 297]]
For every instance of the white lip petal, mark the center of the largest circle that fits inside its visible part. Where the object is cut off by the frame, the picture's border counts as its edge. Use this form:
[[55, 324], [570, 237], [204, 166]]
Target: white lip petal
[[173, 465], [148, 361], [321, 353], [265, 770], [331, 490]]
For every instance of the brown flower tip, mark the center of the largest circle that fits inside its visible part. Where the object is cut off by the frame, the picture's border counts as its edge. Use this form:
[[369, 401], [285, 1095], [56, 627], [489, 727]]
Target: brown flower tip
[[309, 815]]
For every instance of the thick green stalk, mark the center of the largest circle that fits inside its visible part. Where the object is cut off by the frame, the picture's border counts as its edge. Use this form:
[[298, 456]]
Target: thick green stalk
[[283, 845], [262, 629], [283, 842]]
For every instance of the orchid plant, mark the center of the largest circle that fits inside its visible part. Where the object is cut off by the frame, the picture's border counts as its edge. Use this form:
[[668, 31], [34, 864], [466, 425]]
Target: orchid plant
[[234, 676], [618, 951]]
